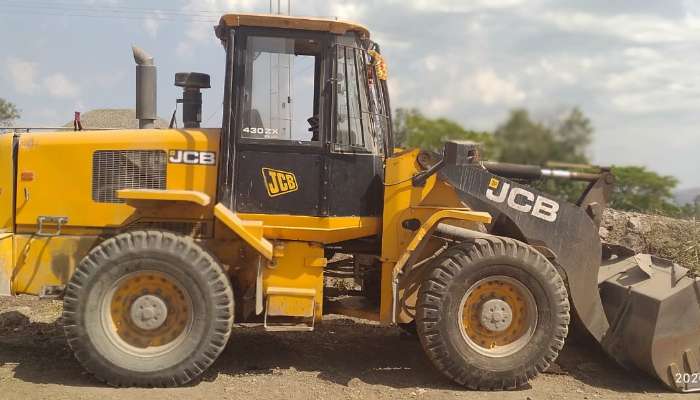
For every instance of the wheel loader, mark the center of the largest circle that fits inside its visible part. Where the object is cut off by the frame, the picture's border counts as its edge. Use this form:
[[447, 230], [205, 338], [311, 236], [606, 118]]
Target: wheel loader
[[159, 240]]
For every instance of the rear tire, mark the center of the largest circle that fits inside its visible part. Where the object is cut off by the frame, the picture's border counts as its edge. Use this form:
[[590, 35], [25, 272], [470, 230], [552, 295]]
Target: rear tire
[[148, 308], [492, 314]]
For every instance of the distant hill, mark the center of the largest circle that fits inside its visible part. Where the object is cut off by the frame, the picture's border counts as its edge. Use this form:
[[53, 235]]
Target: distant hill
[[686, 196]]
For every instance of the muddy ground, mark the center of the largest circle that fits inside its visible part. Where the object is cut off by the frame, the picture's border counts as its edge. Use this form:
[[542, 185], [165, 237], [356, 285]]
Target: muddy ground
[[342, 359]]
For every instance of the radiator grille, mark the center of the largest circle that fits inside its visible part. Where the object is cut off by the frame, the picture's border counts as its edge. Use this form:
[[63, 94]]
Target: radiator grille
[[126, 169]]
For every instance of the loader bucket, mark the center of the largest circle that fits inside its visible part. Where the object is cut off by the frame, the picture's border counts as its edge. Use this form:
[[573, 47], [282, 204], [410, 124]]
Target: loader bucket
[[653, 306]]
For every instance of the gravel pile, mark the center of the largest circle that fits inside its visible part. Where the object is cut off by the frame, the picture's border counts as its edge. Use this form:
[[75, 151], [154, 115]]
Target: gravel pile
[[112, 118], [674, 239]]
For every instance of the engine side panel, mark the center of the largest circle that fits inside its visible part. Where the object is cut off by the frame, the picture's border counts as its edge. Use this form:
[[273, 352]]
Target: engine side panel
[[72, 175]]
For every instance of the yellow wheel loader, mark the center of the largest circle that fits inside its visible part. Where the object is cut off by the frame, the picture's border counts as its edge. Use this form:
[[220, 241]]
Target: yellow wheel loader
[[158, 240]]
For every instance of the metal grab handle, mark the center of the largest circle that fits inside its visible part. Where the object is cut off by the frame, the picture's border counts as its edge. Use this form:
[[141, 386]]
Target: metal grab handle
[[46, 220]]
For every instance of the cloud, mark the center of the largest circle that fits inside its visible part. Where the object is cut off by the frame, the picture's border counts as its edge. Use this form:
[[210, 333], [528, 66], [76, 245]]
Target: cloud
[[198, 32], [152, 23], [23, 75], [432, 62], [447, 6], [492, 89], [347, 10], [58, 85], [646, 80], [636, 28], [109, 2], [440, 105]]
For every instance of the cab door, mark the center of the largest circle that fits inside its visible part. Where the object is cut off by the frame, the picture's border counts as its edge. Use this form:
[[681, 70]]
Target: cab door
[[278, 125], [355, 161]]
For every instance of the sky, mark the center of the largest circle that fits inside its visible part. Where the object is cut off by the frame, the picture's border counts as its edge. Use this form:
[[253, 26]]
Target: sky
[[633, 67]]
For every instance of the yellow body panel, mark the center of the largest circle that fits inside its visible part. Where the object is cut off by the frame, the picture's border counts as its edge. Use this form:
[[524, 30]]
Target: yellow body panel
[[315, 229], [6, 263], [61, 168], [7, 184], [47, 261], [300, 268], [189, 196]]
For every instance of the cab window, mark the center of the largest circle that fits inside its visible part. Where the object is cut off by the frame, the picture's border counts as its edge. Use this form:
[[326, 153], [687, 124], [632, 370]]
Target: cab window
[[281, 89]]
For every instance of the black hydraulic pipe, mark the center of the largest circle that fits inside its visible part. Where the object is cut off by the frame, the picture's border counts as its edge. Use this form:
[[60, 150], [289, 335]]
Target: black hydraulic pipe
[[534, 172]]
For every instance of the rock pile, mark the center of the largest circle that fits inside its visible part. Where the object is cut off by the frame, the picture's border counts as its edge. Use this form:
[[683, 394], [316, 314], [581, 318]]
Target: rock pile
[[113, 119], [674, 239]]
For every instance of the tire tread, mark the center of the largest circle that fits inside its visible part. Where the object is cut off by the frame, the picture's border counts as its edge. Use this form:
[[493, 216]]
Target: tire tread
[[434, 289], [202, 263]]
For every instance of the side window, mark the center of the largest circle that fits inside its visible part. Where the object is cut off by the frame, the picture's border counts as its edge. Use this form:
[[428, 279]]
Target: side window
[[349, 129], [379, 110], [281, 89], [342, 132], [361, 118]]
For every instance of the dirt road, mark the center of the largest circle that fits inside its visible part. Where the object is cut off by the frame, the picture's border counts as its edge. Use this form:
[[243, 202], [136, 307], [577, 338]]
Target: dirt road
[[342, 359]]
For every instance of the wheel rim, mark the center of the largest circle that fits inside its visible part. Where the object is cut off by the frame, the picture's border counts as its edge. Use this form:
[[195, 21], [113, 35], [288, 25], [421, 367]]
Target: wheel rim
[[498, 316], [147, 313]]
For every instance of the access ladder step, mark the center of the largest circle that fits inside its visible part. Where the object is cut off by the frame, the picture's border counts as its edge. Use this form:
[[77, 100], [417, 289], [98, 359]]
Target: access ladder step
[[290, 309]]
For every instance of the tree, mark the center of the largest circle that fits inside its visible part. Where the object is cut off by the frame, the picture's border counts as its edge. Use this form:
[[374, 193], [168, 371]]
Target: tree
[[691, 210], [523, 140], [573, 134], [413, 129], [637, 189], [8, 112], [526, 141]]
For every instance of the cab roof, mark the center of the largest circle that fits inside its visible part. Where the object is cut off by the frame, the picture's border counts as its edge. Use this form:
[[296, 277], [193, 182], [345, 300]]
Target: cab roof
[[288, 22]]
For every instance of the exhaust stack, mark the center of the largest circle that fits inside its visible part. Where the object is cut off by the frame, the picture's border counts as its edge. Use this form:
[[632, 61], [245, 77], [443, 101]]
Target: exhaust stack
[[146, 79]]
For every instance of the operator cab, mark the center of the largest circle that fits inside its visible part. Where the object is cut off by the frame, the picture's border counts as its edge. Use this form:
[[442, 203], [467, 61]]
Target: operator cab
[[306, 117]]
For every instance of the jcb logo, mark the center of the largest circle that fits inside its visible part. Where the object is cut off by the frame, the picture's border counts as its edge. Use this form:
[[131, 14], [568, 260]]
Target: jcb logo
[[522, 200], [192, 157], [279, 182]]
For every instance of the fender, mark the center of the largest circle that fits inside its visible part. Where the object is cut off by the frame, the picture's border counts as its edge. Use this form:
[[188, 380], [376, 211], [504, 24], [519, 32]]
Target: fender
[[419, 240]]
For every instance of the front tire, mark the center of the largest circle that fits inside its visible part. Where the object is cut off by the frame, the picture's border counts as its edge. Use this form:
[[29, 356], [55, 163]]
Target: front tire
[[492, 314], [148, 308]]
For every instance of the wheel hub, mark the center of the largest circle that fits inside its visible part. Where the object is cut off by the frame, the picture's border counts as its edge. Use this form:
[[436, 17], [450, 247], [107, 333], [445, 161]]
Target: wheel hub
[[496, 315], [148, 312]]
